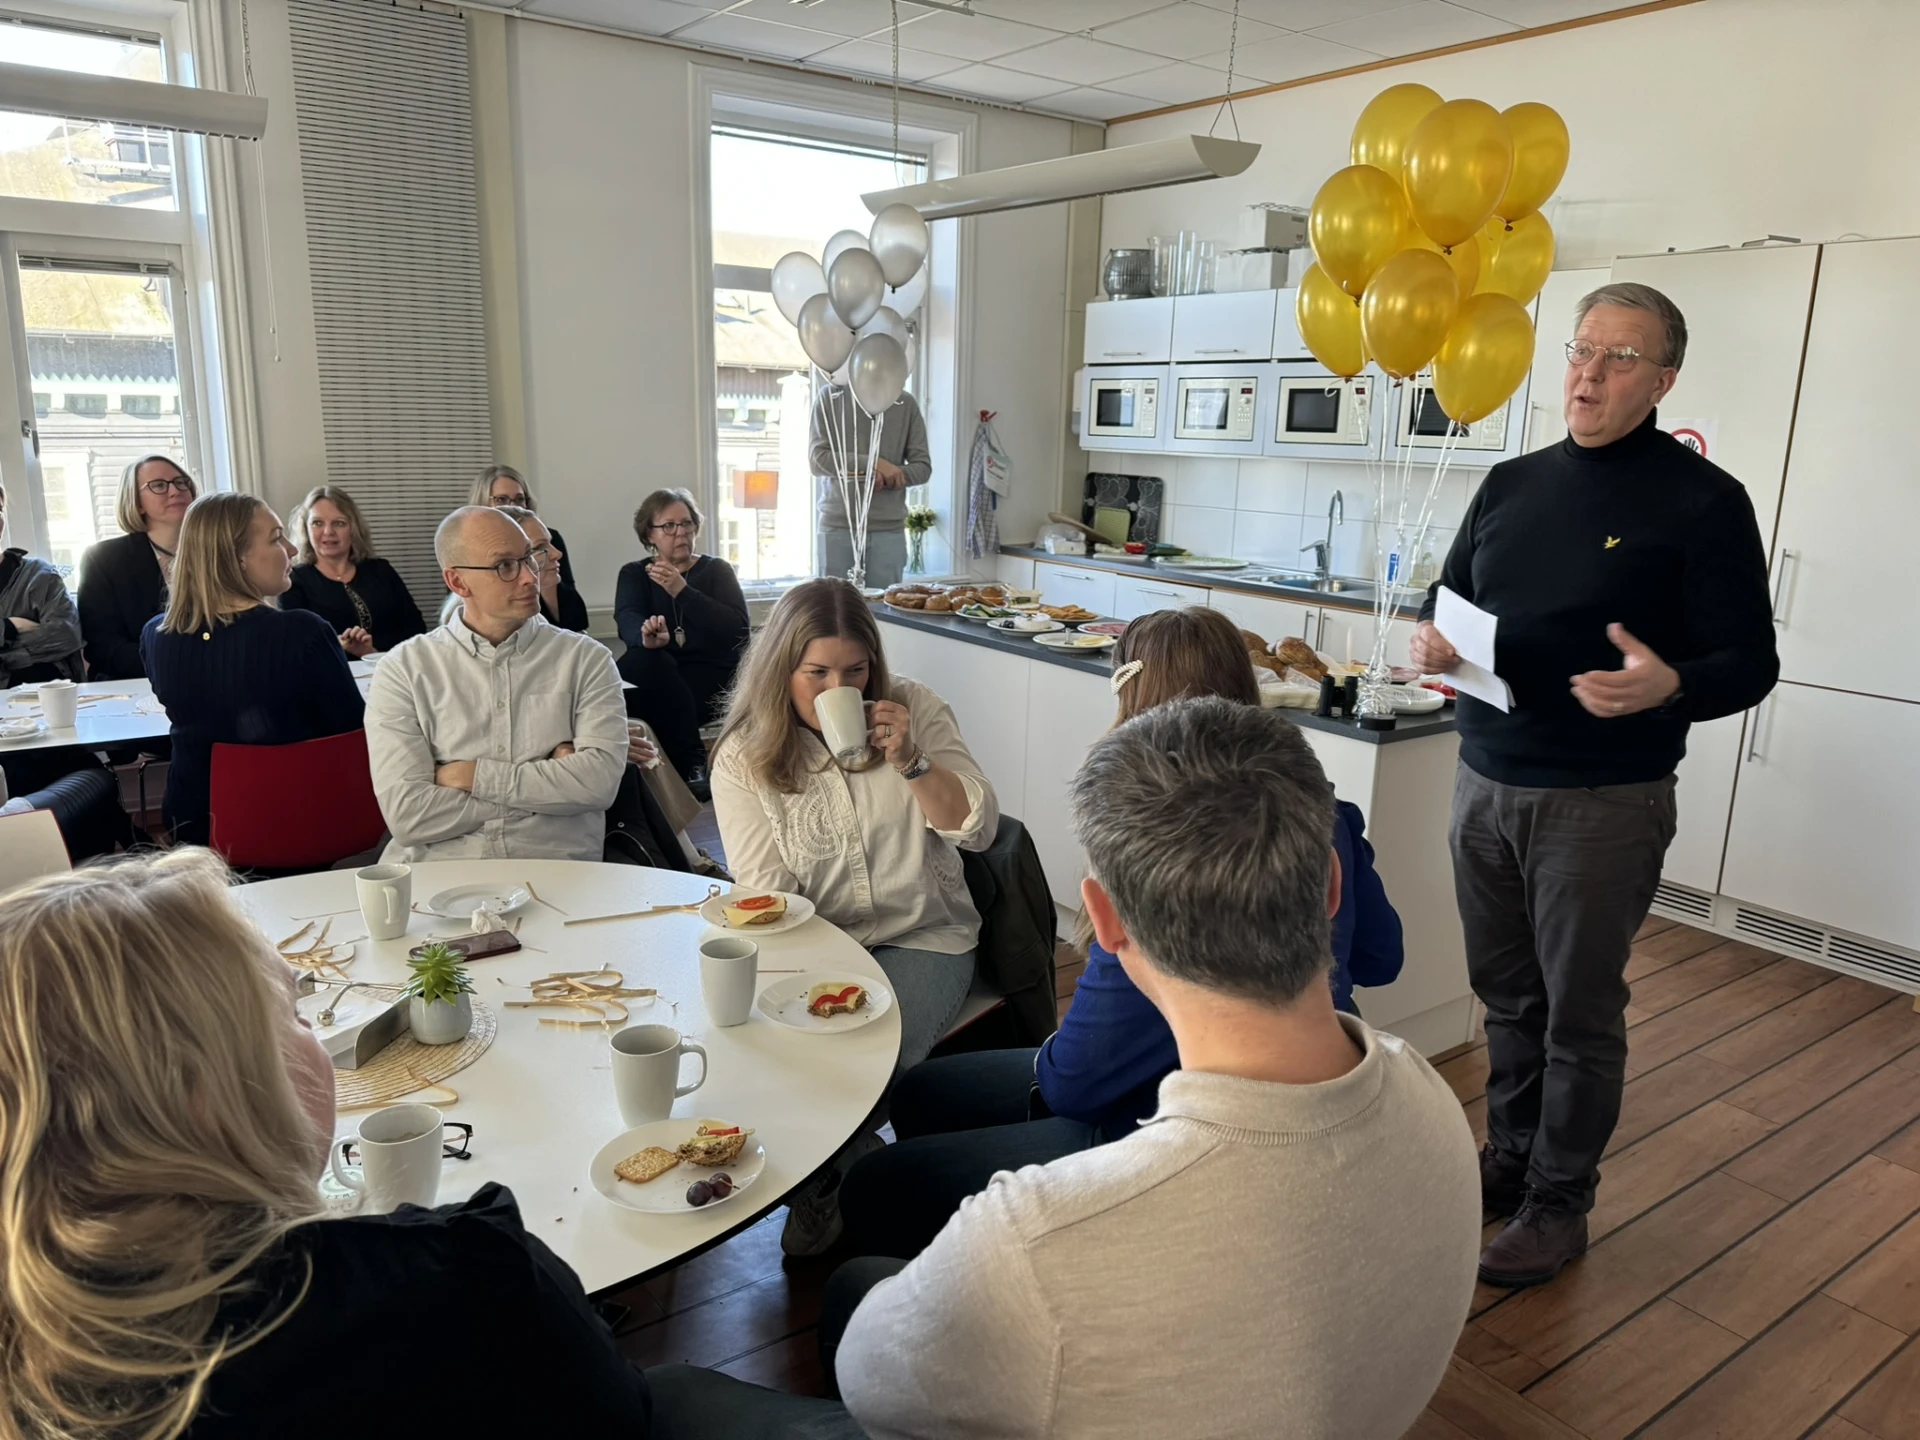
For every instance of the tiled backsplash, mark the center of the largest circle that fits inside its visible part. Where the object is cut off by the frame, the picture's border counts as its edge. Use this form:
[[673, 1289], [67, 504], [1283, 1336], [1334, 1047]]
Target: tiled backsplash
[[1267, 510]]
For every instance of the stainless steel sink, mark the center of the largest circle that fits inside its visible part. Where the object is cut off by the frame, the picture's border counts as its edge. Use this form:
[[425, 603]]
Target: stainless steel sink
[[1306, 585]]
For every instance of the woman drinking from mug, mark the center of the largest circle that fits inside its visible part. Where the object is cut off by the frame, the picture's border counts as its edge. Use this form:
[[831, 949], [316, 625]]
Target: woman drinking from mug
[[229, 666], [873, 841], [123, 581], [168, 1267], [684, 622], [339, 578]]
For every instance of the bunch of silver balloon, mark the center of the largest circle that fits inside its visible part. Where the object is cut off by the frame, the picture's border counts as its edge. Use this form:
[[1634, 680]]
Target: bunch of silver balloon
[[851, 308]]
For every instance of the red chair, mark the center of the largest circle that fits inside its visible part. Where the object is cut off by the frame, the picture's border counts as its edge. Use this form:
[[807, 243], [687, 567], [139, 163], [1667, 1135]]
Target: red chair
[[294, 807]]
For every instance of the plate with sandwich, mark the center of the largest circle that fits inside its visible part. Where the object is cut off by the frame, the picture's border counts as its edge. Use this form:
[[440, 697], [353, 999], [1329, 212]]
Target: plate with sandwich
[[824, 1003], [670, 1166], [757, 912]]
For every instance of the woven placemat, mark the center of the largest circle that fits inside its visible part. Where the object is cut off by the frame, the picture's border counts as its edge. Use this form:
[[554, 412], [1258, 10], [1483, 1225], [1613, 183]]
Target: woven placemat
[[406, 1066]]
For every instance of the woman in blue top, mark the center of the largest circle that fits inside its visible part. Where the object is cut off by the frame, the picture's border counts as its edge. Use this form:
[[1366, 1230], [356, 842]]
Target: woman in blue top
[[961, 1118]]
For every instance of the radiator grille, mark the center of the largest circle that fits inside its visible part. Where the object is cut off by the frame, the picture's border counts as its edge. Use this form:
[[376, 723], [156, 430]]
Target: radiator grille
[[1679, 903]]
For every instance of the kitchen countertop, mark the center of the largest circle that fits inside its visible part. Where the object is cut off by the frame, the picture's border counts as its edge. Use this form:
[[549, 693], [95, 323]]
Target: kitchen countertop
[[1218, 580], [970, 632]]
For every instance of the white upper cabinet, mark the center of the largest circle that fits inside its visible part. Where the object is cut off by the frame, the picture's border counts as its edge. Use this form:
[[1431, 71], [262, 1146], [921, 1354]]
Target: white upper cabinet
[[1287, 344], [1235, 326], [1851, 507], [1131, 332]]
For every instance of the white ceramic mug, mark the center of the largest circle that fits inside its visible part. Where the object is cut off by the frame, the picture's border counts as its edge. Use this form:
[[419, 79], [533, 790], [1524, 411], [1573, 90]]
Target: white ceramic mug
[[842, 712], [386, 896], [729, 976], [400, 1153], [646, 1071], [59, 703]]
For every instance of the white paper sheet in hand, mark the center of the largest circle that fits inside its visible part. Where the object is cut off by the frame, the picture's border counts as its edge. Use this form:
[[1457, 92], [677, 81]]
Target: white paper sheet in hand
[[1470, 630]]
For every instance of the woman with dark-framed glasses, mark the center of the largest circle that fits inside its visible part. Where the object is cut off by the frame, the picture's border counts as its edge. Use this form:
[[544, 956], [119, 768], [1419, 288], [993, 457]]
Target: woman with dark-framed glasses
[[502, 486], [684, 621], [560, 604], [123, 581]]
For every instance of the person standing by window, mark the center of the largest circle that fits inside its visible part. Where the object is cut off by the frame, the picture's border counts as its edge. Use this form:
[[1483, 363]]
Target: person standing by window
[[904, 460], [684, 621], [123, 581], [341, 580]]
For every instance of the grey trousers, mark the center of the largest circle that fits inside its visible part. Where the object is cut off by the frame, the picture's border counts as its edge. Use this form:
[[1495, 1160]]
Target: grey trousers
[[886, 555], [1552, 885]]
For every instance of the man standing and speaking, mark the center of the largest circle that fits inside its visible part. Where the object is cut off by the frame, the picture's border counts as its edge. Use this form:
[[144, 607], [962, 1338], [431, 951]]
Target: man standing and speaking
[[1630, 585]]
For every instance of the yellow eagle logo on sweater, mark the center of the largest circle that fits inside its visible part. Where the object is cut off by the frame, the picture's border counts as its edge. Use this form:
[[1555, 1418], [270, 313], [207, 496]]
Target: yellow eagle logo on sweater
[[1612, 540]]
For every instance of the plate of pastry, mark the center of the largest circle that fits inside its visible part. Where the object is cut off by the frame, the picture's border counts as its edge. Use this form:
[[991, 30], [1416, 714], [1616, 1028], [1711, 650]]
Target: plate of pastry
[[823, 1003], [670, 1166], [758, 912]]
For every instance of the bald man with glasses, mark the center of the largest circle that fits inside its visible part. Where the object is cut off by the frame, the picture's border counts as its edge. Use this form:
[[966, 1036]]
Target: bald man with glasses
[[497, 735], [1630, 584]]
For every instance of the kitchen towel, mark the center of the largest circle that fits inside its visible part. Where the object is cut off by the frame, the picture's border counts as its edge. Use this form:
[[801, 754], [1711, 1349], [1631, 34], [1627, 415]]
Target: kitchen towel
[[989, 476]]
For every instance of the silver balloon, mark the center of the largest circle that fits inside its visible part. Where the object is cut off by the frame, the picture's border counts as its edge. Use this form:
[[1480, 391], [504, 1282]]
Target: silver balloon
[[907, 298], [797, 278], [841, 242], [877, 370], [826, 341], [899, 242], [886, 321], [855, 286]]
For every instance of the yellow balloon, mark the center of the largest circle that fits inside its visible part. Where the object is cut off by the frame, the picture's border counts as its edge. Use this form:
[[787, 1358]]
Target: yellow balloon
[[1465, 258], [1381, 133], [1406, 311], [1458, 164], [1486, 354], [1540, 147], [1329, 321], [1521, 261], [1359, 219]]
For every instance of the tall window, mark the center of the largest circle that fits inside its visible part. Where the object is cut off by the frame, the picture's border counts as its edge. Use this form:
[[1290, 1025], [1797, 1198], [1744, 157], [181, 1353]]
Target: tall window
[[90, 162], [773, 194]]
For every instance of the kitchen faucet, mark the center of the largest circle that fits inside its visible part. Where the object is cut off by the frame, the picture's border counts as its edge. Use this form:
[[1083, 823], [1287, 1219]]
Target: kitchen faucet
[[1323, 549]]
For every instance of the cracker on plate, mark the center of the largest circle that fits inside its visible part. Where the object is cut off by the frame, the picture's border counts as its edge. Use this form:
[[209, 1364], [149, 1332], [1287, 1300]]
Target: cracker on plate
[[649, 1164]]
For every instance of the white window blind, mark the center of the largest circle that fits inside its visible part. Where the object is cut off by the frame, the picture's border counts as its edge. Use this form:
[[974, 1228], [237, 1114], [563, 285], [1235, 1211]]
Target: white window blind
[[386, 148]]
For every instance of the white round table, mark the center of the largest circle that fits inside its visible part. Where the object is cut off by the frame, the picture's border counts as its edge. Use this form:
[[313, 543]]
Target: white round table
[[541, 1101]]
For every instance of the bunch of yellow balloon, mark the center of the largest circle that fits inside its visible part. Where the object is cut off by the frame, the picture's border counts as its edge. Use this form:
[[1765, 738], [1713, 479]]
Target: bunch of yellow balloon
[[1429, 246]]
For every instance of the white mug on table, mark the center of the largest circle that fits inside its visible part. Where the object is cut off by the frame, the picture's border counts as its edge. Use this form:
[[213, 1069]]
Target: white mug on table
[[386, 897], [646, 1071], [729, 975], [400, 1152], [59, 703], [843, 721]]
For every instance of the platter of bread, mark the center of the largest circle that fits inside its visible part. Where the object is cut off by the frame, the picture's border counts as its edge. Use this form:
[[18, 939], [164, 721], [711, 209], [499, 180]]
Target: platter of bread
[[945, 599], [824, 1003], [670, 1166], [757, 912]]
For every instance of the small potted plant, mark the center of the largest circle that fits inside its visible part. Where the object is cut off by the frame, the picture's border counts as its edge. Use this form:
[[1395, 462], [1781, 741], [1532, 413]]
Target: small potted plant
[[439, 1007]]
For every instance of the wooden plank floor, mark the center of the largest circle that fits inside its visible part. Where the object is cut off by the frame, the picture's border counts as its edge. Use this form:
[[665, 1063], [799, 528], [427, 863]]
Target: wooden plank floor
[[1756, 1267]]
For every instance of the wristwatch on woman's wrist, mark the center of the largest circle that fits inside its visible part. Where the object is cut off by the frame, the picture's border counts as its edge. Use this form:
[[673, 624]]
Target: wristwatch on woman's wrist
[[915, 767]]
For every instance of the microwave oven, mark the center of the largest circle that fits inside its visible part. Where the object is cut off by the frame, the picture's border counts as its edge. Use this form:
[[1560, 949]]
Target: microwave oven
[[1123, 407], [1218, 409], [1318, 415], [1421, 425]]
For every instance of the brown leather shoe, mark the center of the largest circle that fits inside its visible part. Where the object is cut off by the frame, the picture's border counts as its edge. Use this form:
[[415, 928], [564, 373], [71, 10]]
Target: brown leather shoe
[[1535, 1246], [1503, 1182]]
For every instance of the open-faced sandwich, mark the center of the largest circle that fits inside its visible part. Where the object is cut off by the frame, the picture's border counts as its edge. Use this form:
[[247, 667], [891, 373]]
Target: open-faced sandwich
[[835, 999], [714, 1142], [752, 909]]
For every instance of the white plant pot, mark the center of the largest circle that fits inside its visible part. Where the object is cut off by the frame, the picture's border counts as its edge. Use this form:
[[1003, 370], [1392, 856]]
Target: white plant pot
[[440, 1022]]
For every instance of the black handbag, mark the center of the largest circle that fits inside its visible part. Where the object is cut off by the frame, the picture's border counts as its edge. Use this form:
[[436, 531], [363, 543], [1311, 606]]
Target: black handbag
[[638, 831]]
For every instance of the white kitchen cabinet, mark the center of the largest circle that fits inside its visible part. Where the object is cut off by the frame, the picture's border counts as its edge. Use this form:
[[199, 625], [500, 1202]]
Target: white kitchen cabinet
[[1287, 344], [1348, 635], [1134, 596], [1129, 332], [1013, 571], [1067, 710], [987, 690], [1850, 507], [1270, 619], [1705, 798], [1235, 326], [1824, 825], [1074, 585]]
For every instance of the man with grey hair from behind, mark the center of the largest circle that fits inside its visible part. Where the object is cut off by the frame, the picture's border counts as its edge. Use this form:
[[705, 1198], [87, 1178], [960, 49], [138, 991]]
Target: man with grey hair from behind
[[1305, 1193], [1630, 583], [497, 734]]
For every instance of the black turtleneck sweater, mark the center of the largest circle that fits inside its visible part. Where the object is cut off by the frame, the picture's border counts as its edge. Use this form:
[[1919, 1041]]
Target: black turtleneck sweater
[[1561, 543]]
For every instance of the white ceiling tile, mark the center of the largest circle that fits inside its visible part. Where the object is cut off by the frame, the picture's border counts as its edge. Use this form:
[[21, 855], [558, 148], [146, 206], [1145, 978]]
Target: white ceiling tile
[[970, 37], [1182, 31], [1304, 14], [875, 57], [643, 17], [1287, 57], [1177, 84], [1076, 60], [1095, 104], [1071, 17], [1429, 25], [992, 83], [841, 17], [758, 37], [1530, 13]]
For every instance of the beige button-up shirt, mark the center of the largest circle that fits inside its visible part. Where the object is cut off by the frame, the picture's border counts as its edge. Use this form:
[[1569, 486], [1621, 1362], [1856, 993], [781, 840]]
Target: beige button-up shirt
[[451, 695]]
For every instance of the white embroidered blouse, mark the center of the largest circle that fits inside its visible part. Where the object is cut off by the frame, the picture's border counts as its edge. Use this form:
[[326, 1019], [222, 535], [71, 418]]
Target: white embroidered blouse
[[857, 843]]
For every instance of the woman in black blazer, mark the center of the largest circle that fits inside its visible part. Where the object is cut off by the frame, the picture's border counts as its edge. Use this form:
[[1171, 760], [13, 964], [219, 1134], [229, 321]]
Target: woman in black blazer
[[499, 485], [341, 580], [123, 581]]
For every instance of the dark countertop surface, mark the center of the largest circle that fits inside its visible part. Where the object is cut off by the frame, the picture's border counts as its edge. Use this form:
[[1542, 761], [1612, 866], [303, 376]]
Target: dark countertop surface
[[1220, 580], [970, 632]]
